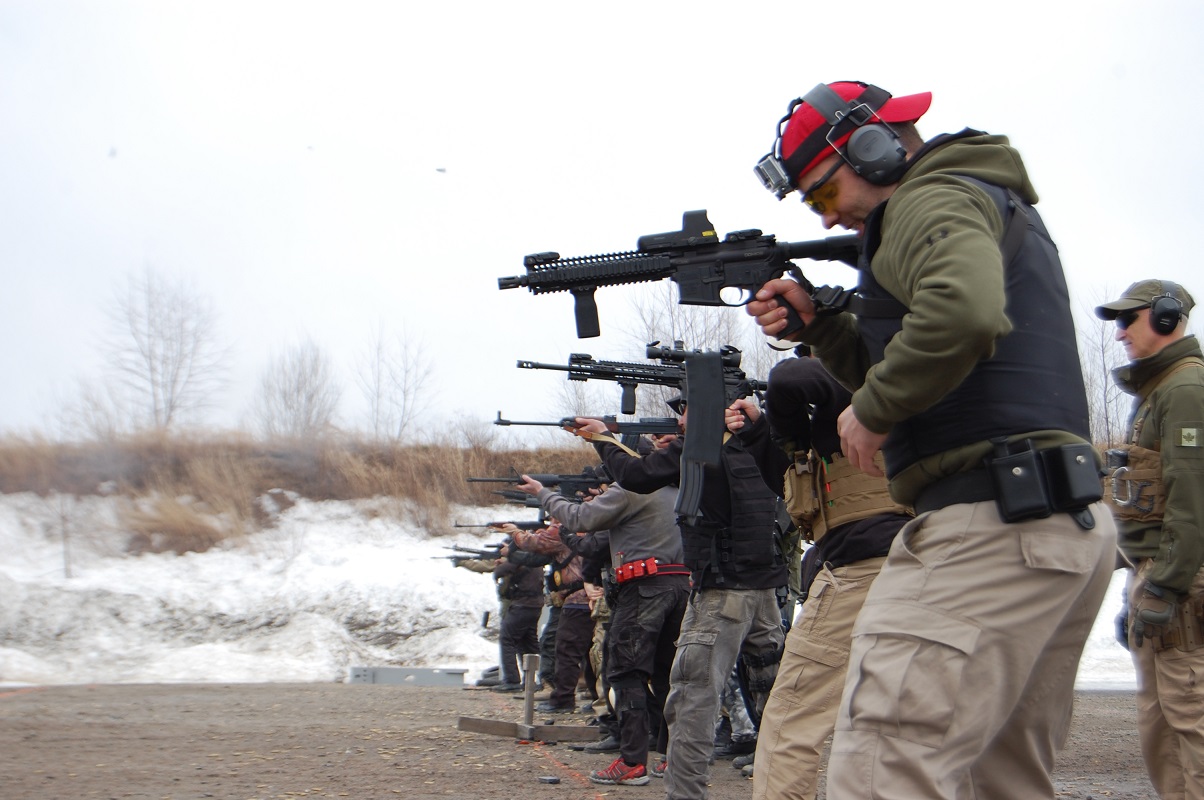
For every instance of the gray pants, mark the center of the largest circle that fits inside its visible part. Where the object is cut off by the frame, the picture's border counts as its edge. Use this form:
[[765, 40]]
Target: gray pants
[[718, 625]]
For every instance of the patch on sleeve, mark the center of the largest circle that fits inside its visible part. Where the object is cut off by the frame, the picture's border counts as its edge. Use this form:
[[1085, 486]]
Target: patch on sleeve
[[1189, 437]]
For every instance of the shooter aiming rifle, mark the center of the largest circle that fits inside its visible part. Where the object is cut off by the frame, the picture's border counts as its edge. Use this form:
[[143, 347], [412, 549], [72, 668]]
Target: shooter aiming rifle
[[693, 258]]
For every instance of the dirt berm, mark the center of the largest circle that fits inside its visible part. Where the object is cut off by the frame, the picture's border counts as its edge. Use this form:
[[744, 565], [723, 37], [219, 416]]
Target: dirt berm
[[365, 741]]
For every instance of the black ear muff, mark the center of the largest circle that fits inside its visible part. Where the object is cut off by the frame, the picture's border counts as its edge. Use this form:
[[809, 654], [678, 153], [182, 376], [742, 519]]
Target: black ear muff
[[1166, 310], [876, 154], [873, 150]]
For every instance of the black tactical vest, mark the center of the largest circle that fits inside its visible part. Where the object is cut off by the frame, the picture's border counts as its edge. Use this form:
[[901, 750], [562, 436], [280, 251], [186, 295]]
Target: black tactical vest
[[1033, 382], [744, 550]]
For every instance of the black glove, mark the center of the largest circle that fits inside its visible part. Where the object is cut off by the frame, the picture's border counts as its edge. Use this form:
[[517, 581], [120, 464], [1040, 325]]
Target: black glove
[[1155, 608]]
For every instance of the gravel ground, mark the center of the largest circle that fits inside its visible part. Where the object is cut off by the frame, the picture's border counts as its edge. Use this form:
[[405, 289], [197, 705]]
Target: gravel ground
[[172, 741]]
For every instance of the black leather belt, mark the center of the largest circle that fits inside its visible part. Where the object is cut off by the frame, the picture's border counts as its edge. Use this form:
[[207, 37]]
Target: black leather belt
[[974, 486]]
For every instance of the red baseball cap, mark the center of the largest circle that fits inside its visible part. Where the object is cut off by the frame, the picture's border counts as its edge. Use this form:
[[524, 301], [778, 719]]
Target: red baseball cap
[[804, 140]]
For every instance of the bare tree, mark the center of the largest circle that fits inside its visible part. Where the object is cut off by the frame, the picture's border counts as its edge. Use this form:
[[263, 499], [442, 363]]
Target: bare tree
[[164, 348], [298, 396], [395, 379], [1106, 403], [663, 319], [581, 399], [97, 411], [473, 434]]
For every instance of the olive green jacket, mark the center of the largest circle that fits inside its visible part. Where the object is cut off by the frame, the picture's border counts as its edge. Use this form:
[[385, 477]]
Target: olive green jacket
[[940, 256], [1173, 426]]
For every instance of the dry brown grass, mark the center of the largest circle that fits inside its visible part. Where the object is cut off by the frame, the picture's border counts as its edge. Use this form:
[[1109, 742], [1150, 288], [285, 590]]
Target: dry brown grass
[[190, 493]]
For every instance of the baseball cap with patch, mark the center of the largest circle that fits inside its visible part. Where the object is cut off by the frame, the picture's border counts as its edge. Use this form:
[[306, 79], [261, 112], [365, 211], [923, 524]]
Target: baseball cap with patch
[[1142, 295], [808, 134]]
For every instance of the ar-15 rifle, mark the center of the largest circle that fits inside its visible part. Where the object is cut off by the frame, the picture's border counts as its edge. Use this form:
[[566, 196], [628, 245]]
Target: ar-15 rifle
[[670, 372], [523, 525], [640, 427], [693, 258], [569, 485], [521, 498]]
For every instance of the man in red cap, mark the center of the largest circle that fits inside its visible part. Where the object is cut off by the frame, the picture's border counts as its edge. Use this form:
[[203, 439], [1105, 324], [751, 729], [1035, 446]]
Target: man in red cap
[[1156, 490], [960, 345]]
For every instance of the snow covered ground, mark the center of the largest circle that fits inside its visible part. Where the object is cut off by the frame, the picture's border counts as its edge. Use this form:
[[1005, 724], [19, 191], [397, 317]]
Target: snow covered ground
[[333, 585]]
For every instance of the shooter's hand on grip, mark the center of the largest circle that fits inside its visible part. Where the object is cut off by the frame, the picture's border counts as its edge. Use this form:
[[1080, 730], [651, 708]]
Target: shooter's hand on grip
[[782, 308]]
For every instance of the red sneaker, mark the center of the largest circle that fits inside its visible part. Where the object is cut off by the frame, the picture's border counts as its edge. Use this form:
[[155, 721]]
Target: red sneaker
[[621, 773], [658, 771]]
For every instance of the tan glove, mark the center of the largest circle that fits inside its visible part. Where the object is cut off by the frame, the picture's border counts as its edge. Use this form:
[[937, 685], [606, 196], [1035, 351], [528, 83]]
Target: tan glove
[[1155, 609]]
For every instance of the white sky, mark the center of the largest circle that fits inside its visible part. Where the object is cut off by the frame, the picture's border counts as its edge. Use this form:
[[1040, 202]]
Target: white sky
[[319, 168], [293, 603]]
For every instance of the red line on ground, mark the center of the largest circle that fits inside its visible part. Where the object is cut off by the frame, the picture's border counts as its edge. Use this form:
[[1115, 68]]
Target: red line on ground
[[572, 773], [12, 692]]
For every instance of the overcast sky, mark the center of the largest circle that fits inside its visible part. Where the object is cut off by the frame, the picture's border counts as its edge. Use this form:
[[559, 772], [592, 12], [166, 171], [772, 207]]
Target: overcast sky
[[315, 169]]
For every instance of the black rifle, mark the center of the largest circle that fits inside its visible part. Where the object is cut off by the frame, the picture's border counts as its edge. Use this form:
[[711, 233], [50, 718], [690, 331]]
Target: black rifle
[[568, 485], [521, 498], [642, 426], [694, 258], [490, 552], [670, 372], [524, 525]]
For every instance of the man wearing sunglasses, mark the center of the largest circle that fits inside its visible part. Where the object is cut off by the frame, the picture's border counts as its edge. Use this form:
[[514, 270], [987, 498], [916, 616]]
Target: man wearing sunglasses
[[1156, 489], [959, 344]]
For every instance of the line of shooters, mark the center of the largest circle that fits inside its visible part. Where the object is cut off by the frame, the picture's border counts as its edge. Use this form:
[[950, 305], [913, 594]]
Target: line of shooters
[[683, 621], [945, 610]]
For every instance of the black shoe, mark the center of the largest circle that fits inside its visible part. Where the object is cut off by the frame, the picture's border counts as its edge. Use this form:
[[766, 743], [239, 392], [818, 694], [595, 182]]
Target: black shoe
[[548, 707], [735, 748], [740, 762], [608, 745], [508, 687], [490, 680]]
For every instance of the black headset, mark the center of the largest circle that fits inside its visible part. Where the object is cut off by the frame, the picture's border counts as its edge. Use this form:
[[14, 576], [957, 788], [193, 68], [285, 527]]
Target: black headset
[[1166, 310], [874, 150]]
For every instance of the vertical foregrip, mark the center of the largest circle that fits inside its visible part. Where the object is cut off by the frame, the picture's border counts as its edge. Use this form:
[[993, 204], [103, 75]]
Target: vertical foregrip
[[586, 310], [627, 403]]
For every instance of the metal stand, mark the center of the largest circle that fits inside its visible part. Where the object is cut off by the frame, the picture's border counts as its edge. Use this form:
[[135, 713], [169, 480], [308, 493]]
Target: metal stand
[[526, 729]]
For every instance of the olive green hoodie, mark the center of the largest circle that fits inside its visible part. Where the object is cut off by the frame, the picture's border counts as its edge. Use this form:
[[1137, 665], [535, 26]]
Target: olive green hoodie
[[1173, 427], [940, 256]]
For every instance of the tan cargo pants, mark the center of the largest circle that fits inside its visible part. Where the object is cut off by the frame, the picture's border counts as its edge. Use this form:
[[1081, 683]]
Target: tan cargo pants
[[1170, 709], [961, 675], [801, 711]]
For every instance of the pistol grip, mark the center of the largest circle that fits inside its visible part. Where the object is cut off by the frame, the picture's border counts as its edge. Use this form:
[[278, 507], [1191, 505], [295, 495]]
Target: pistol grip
[[794, 323]]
